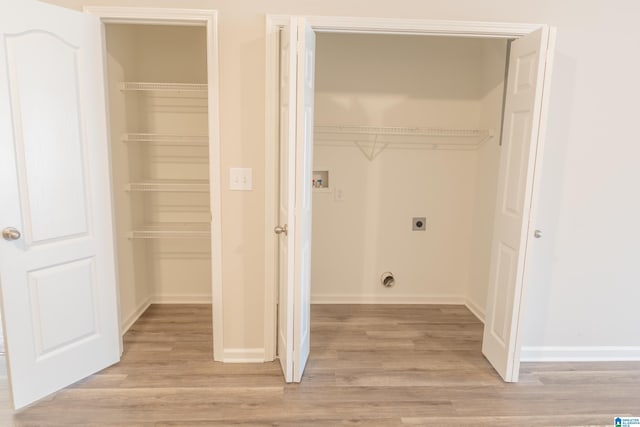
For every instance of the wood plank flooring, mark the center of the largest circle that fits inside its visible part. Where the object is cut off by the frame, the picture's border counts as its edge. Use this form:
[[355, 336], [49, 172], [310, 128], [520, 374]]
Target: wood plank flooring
[[373, 365]]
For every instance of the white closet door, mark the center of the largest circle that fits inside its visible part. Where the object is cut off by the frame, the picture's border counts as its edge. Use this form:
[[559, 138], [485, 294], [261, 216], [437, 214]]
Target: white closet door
[[501, 341], [56, 260], [303, 175], [286, 250]]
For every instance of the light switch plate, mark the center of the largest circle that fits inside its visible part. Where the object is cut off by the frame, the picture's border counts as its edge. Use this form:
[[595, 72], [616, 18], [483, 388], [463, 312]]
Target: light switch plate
[[240, 179]]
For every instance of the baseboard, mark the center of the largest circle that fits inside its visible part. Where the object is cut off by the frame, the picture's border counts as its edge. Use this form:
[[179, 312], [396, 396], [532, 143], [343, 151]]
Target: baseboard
[[387, 299], [580, 354], [131, 319], [475, 309], [181, 299], [244, 355]]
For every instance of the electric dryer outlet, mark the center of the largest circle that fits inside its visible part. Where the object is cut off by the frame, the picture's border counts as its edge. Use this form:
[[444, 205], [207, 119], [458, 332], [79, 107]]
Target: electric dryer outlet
[[419, 223]]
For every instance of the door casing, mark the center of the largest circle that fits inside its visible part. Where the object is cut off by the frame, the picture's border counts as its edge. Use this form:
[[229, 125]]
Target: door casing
[[208, 19], [358, 25]]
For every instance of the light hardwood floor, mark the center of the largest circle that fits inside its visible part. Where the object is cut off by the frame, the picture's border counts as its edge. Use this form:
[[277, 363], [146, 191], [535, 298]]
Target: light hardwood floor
[[373, 365]]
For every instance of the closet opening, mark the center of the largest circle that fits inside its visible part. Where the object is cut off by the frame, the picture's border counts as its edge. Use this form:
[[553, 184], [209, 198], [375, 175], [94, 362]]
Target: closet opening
[[405, 170], [159, 113], [385, 136]]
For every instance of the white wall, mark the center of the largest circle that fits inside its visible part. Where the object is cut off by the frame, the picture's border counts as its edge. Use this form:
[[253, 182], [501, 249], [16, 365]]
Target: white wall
[[369, 232], [185, 48], [398, 80], [585, 288], [431, 82], [134, 291]]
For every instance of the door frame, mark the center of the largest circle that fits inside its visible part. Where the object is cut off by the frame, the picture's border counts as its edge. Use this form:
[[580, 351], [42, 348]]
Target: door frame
[[361, 25], [208, 19]]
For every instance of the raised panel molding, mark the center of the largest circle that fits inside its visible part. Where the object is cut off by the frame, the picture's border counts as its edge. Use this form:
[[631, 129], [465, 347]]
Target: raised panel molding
[[505, 273], [514, 195], [525, 70], [46, 105], [60, 321]]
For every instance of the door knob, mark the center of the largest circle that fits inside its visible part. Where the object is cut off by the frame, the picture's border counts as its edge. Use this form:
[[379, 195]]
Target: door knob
[[10, 233], [280, 230]]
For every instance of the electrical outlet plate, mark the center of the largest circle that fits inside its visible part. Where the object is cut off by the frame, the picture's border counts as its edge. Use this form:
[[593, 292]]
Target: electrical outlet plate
[[419, 223]]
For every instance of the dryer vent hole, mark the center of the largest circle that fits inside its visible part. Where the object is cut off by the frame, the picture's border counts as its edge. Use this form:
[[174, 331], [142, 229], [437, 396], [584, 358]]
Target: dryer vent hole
[[387, 279]]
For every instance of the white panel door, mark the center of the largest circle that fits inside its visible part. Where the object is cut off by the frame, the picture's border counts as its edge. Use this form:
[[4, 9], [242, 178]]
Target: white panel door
[[286, 250], [501, 340], [303, 175], [56, 260]]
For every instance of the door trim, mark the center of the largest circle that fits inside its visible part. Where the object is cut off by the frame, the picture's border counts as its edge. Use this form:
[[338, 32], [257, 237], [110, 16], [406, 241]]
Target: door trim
[[271, 192], [208, 19], [355, 25]]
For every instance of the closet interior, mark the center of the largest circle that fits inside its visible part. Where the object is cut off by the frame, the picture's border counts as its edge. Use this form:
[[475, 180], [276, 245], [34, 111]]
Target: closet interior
[[157, 80], [407, 130]]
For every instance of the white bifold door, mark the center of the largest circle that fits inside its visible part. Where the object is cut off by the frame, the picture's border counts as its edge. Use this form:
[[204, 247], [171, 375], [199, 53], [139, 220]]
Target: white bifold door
[[56, 253], [512, 229], [297, 69]]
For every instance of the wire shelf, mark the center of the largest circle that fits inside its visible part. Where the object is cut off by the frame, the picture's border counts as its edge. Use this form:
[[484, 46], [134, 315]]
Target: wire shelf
[[166, 139], [164, 87], [373, 140], [172, 231], [199, 186]]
